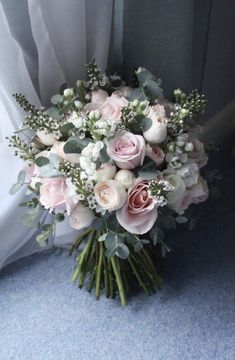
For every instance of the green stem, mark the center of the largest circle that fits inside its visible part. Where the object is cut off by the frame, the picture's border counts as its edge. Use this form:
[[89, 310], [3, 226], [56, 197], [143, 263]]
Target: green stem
[[110, 276], [119, 280], [106, 278], [79, 240], [136, 272], [98, 272], [88, 254], [151, 264]]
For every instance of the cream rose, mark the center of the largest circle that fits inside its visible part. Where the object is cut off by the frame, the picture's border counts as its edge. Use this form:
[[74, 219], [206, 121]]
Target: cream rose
[[81, 217], [52, 193], [157, 132], [110, 194]]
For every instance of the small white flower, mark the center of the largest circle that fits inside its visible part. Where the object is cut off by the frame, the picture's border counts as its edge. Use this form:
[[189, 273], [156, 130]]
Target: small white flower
[[68, 92]]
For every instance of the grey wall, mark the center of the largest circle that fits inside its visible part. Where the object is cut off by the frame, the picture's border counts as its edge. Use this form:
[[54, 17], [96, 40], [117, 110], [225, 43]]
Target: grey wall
[[189, 44]]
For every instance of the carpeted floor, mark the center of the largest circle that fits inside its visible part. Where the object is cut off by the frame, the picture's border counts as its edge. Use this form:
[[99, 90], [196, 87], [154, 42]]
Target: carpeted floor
[[44, 317]]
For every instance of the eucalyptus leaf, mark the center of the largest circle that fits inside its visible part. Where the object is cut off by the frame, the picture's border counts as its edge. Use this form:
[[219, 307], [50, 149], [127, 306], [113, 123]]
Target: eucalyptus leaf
[[59, 217], [21, 177], [102, 237], [152, 89], [54, 113], [122, 251], [98, 224], [30, 220], [49, 171], [57, 99], [146, 123], [144, 76], [181, 219], [148, 171], [42, 239], [75, 146], [111, 240], [41, 161], [137, 94], [103, 156], [15, 188], [65, 129]]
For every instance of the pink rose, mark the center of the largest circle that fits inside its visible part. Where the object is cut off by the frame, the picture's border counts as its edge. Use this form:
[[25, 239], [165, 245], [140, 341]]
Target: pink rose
[[127, 150], [155, 153], [139, 213], [52, 193], [198, 153], [111, 108], [199, 191]]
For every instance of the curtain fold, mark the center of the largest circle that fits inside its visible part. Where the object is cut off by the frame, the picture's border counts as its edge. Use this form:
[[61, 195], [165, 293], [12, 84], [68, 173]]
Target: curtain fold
[[46, 43]]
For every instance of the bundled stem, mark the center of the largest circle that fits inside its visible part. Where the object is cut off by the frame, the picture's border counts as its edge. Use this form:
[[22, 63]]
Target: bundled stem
[[113, 274]]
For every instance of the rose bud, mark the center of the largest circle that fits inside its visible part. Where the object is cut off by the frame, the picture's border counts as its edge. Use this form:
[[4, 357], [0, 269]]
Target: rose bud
[[45, 137], [157, 132]]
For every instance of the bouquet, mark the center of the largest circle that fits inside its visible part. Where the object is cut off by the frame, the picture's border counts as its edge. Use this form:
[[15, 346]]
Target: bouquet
[[121, 164]]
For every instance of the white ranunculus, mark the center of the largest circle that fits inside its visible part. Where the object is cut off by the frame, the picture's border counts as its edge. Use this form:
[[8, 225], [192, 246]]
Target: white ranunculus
[[105, 172], [157, 132], [81, 217], [110, 194], [125, 177], [45, 137], [190, 173]]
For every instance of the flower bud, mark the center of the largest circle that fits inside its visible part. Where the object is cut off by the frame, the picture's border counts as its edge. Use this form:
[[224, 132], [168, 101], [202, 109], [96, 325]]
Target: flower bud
[[125, 177], [68, 92]]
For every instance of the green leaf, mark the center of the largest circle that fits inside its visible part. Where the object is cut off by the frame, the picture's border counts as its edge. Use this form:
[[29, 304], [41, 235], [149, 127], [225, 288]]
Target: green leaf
[[148, 171], [122, 251], [15, 188], [54, 113], [111, 240], [181, 219], [152, 89], [75, 146], [47, 227], [41, 161], [146, 123], [98, 224], [59, 217], [102, 237], [144, 75], [21, 177], [30, 220], [137, 94], [42, 239], [65, 129], [49, 171], [57, 99], [103, 157]]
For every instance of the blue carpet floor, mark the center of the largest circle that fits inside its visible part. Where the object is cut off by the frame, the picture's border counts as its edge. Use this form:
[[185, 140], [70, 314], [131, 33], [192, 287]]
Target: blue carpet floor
[[44, 317]]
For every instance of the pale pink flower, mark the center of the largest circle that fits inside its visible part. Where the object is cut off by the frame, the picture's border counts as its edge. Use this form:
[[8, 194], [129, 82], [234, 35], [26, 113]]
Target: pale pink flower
[[110, 194], [127, 150], [155, 153], [52, 193], [81, 217], [139, 213], [198, 153], [199, 191], [111, 108], [157, 132]]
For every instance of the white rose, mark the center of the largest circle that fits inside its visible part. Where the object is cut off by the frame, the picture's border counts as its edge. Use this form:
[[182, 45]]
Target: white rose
[[125, 177], [105, 172], [157, 132], [81, 217], [45, 137], [58, 148], [110, 194], [189, 172]]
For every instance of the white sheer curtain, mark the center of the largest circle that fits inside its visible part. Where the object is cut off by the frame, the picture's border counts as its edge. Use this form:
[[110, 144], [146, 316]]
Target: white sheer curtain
[[43, 44]]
